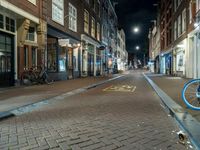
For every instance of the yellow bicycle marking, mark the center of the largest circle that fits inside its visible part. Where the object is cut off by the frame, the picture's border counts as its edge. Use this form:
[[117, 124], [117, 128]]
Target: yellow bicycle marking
[[120, 88]]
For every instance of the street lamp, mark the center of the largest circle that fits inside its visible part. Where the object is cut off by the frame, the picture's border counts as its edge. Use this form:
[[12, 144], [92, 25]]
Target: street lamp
[[137, 47], [136, 29]]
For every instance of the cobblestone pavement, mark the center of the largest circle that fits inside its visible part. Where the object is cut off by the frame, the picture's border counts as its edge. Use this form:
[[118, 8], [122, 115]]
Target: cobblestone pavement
[[96, 119], [20, 96]]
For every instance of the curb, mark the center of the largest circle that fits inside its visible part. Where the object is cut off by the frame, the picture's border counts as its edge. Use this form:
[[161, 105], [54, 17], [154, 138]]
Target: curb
[[30, 107], [189, 124]]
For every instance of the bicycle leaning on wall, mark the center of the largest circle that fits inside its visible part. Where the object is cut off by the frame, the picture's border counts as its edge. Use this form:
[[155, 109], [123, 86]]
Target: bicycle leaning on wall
[[34, 75], [191, 94]]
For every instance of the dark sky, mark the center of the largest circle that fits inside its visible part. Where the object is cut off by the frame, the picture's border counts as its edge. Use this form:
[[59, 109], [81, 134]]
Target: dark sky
[[136, 13]]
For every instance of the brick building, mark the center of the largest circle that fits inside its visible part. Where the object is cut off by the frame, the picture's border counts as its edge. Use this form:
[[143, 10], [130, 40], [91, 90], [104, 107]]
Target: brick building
[[22, 38], [166, 10], [69, 38]]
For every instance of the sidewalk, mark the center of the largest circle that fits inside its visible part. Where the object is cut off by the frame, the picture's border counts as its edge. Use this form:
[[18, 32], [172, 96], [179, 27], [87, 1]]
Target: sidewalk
[[169, 89], [173, 86], [13, 98]]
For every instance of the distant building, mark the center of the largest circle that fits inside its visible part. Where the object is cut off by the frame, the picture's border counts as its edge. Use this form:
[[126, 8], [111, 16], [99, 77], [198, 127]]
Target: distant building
[[121, 50]]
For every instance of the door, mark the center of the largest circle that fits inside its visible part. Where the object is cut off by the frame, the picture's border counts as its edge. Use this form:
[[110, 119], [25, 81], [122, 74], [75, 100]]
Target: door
[[90, 64], [70, 63], [6, 60]]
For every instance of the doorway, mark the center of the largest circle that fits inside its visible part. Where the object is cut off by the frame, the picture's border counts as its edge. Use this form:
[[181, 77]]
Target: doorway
[[6, 59]]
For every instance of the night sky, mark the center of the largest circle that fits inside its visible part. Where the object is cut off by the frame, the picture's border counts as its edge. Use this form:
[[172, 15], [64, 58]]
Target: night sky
[[136, 13]]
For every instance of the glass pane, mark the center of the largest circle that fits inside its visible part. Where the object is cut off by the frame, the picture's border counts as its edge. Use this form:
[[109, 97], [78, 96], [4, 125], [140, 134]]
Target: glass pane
[[8, 48], [2, 47], [8, 64], [8, 40], [31, 37], [7, 24], [3, 64], [2, 39], [1, 21], [34, 57]]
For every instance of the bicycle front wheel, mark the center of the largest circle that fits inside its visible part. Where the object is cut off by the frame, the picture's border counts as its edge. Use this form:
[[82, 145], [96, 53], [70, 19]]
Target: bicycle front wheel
[[191, 94]]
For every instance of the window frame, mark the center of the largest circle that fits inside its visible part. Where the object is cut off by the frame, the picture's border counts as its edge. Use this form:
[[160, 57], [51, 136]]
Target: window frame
[[93, 27], [57, 5], [86, 21], [72, 18]]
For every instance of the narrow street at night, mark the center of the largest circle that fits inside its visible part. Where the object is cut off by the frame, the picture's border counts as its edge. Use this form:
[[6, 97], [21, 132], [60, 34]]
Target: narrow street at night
[[99, 74], [96, 119]]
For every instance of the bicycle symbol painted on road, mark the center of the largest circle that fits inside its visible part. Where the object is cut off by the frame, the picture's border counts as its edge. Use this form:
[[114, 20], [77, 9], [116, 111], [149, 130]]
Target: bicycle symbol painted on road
[[120, 88]]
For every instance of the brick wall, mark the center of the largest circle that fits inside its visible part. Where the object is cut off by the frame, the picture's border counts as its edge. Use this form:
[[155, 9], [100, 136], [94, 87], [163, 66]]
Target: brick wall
[[27, 6]]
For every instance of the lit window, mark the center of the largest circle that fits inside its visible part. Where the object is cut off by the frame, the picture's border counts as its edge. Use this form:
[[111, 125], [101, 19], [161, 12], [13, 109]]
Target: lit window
[[98, 31], [32, 1], [72, 18], [93, 28], [86, 21], [58, 11]]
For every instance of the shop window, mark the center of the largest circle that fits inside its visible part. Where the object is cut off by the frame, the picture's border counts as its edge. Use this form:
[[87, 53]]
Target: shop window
[[31, 34], [52, 55], [10, 24], [1, 21], [62, 59]]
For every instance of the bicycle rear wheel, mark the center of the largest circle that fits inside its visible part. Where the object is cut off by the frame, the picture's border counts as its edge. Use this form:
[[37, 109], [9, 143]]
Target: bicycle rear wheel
[[191, 94], [25, 79]]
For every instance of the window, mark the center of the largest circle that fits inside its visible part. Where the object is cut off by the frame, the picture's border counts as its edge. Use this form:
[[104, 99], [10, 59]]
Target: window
[[52, 54], [31, 34], [86, 21], [93, 4], [98, 31], [190, 12], [34, 56], [26, 60], [58, 11], [179, 25], [175, 30], [10, 24], [1, 21], [98, 8], [93, 28], [72, 18], [198, 5], [32, 1], [184, 20]]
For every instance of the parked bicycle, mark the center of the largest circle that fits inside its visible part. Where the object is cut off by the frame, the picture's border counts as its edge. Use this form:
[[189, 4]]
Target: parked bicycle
[[191, 94], [34, 75]]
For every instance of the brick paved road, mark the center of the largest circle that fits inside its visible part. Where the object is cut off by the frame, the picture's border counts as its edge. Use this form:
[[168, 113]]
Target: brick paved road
[[96, 119]]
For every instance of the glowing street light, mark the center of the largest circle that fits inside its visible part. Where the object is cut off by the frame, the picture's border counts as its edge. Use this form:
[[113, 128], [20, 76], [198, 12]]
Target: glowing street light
[[137, 47], [136, 29]]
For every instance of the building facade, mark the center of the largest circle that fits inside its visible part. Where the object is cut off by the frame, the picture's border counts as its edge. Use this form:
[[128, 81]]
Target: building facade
[[22, 38], [121, 50], [68, 38], [179, 38], [193, 40], [166, 9]]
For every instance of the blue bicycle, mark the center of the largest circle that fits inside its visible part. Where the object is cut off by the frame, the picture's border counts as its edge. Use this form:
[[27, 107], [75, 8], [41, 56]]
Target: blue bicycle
[[191, 94]]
